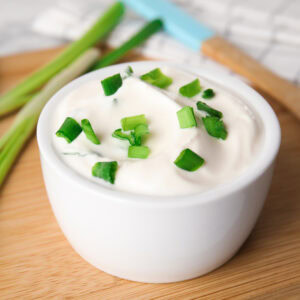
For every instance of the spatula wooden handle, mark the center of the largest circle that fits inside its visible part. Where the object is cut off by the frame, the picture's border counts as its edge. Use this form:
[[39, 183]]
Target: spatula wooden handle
[[229, 55]]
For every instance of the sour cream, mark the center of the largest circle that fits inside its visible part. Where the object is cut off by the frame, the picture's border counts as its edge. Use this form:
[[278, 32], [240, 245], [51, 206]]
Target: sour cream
[[158, 175]]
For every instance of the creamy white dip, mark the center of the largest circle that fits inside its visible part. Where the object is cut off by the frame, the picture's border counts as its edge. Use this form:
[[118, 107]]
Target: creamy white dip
[[158, 175]]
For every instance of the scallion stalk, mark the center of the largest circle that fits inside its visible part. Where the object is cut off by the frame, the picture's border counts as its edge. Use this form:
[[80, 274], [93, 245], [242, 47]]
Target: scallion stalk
[[136, 40], [9, 106], [15, 138], [15, 97]]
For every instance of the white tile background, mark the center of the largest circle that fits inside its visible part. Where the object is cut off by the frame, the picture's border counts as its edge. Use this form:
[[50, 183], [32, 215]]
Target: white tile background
[[269, 30]]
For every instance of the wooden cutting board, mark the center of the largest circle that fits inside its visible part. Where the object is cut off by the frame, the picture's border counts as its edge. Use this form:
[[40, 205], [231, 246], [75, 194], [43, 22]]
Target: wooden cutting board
[[36, 261]]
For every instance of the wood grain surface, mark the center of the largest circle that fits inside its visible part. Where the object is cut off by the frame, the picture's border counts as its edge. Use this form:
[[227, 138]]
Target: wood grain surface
[[36, 261]]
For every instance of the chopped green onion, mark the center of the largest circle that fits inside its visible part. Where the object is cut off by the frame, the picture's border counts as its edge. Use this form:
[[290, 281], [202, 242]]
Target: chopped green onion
[[191, 89], [139, 131], [215, 127], [124, 136], [69, 130], [129, 123], [14, 98], [111, 84], [186, 117], [134, 137], [213, 112], [134, 41], [138, 151], [129, 71], [89, 131], [157, 78], [105, 170], [208, 94], [189, 160]]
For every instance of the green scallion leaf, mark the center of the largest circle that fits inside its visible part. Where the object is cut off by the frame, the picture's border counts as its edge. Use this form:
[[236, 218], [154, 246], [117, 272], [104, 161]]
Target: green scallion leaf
[[119, 134], [191, 89], [157, 78], [89, 131], [111, 84], [208, 94], [129, 123], [213, 112], [186, 117], [189, 160], [105, 170], [69, 130], [138, 151], [215, 127], [135, 40]]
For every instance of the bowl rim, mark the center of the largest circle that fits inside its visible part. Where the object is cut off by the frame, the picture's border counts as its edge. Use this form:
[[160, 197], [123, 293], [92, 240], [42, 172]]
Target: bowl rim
[[267, 154]]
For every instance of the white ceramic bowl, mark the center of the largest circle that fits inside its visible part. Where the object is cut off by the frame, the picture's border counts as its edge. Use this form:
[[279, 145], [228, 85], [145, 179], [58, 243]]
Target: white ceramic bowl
[[158, 239]]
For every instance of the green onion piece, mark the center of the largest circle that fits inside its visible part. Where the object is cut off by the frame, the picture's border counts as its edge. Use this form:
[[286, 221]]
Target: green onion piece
[[191, 89], [105, 170], [213, 112], [129, 123], [89, 131], [208, 94], [14, 98], [138, 151], [69, 130], [118, 134], [111, 84], [215, 127], [129, 71], [134, 41], [189, 160], [134, 137], [157, 78], [139, 131], [186, 117]]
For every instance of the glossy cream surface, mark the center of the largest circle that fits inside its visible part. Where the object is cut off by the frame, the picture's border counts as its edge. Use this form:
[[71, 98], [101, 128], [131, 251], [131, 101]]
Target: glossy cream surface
[[158, 175]]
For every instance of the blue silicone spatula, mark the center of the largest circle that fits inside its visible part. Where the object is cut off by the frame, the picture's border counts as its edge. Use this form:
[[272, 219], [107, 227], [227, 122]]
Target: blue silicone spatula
[[197, 36]]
